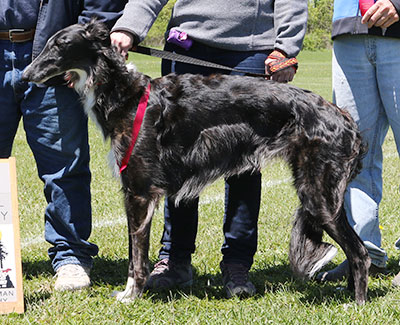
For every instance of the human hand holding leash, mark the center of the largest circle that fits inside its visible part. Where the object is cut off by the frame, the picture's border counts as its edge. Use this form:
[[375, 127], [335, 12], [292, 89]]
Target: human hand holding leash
[[279, 67], [382, 14], [123, 41]]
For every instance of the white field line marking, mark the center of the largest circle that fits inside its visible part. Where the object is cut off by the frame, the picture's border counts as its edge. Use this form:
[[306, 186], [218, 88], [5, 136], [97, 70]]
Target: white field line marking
[[113, 221]]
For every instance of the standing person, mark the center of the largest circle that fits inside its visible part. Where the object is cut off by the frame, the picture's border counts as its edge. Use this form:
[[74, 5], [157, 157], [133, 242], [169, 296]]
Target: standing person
[[55, 127], [247, 35], [366, 81]]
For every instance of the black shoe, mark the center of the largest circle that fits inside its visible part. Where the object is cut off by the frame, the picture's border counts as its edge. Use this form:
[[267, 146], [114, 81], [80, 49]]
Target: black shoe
[[376, 270], [168, 274], [235, 278]]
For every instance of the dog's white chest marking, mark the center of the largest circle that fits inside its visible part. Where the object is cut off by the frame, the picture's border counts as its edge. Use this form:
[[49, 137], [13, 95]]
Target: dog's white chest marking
[[80, 84], [88, 95], [88, 103]]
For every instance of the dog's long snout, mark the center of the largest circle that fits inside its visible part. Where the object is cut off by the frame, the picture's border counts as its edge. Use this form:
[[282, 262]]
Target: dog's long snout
[[39, 72]]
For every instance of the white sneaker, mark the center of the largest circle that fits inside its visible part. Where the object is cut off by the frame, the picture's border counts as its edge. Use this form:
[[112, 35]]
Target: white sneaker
[[72, 277]]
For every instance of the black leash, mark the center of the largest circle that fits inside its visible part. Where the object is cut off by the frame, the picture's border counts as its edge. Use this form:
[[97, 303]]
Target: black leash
[[187, 59]]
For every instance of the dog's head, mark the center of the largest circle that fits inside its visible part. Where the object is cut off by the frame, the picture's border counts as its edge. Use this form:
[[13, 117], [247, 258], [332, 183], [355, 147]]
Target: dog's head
[[72, 50]]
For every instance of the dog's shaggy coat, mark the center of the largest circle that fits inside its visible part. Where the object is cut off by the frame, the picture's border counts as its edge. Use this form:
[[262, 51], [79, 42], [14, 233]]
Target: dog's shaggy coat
[[197, 129]]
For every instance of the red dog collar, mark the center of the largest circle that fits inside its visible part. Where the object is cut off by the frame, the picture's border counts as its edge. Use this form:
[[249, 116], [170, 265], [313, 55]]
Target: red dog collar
[[137, 123]]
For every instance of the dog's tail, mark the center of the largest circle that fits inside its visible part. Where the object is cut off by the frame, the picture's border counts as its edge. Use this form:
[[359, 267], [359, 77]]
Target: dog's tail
[[308, 254]]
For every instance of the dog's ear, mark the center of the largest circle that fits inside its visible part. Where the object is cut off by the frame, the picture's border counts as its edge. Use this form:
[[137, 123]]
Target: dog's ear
[[97, 31]]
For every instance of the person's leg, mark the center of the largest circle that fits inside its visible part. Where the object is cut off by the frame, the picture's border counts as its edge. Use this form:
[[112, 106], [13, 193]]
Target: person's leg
[[180, 223], [242, 200], [180, 228], [356, 89], [242, 204], [242, 195], [56, 129], [58, 140], [243, 192], [388, 74], [178, 244]]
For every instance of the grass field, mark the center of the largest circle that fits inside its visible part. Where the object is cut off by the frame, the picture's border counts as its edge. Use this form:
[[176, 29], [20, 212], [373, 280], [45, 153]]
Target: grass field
[[280, 299]]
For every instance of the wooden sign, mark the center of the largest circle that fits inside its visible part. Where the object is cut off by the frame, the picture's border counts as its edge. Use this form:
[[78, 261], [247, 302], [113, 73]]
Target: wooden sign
[[11, 293]]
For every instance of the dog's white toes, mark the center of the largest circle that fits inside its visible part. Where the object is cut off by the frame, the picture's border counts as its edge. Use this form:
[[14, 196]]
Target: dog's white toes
[[123, 296], [129, 294]]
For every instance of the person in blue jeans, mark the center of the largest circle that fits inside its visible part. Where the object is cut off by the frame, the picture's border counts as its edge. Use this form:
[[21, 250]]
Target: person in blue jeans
[[55, 125], [366, 81], [242, 35]]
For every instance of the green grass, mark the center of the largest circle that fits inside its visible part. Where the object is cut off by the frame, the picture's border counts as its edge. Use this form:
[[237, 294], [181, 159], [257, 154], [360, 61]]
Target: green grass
[[280, 299]]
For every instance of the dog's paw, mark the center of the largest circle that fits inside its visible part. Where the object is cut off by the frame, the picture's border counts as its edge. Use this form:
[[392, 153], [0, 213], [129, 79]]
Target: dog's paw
[[129, 294], [124, 296]]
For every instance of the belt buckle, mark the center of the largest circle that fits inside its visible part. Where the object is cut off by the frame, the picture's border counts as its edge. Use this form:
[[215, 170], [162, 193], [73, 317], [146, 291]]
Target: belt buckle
[[15, 30]]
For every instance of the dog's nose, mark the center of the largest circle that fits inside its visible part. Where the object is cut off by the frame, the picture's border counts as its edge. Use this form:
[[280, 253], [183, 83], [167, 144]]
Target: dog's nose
[[26, 76]]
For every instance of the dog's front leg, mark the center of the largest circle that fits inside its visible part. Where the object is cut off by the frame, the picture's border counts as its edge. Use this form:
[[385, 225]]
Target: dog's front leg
[[139, 212]]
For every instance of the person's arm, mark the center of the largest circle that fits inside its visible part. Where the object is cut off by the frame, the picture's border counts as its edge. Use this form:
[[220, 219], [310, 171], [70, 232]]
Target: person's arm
[[135, 23], [383, 14], [290, 19]]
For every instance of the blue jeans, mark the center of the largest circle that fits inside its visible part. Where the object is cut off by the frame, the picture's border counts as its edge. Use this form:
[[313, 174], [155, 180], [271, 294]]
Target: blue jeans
[[366, 81], [56, 131], [242, 193]]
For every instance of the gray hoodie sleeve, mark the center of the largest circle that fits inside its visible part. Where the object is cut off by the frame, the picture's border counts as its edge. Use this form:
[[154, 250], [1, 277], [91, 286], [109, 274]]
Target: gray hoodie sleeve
[[290, 19], [139, 16]]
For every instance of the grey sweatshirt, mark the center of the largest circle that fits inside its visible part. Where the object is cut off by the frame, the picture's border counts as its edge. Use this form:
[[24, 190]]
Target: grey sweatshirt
[[238, 25]]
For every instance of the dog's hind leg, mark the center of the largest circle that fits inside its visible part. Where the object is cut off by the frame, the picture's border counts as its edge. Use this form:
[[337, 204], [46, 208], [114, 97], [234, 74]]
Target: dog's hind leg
[[321, 176], [308, 253], [139, 212], [306, 246], [356, 254]]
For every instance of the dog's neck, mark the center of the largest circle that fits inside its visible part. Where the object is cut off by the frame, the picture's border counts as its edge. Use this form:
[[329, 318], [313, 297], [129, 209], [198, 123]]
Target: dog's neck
[[110, 91]]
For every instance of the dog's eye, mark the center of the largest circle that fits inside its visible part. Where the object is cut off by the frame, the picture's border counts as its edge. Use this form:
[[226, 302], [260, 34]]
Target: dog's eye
[[61, 41]]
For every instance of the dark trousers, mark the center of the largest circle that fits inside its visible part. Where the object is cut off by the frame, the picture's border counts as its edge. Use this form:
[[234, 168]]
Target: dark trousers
[[242, 193]]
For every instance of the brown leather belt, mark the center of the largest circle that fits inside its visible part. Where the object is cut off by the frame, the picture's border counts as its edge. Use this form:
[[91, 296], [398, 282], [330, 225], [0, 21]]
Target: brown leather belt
[[17, 35]]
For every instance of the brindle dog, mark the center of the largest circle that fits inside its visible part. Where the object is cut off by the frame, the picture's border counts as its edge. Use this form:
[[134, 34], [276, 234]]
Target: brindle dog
[[197, 129]]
